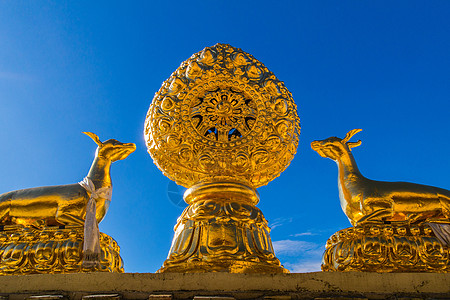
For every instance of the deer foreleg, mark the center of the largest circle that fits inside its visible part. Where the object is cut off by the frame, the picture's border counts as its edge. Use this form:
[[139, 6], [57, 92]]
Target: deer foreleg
[[376, 215], [5, 208], [69, 219], [445, 205]]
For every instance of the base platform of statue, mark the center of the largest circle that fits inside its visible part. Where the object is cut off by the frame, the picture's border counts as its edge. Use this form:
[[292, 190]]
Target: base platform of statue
[[54, 249], [223, 237], [395, 247], [226, 286], [223, 231]]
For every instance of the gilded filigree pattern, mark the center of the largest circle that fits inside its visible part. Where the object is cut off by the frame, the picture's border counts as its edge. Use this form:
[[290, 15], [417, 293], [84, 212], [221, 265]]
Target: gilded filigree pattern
[[25, 250], [386, 248], [222, 113]]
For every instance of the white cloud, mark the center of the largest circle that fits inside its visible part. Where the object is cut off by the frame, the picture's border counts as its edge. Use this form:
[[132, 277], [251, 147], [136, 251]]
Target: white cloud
[[303, 234], [292, 247], [304, 266], [299, 256], [279, 222]]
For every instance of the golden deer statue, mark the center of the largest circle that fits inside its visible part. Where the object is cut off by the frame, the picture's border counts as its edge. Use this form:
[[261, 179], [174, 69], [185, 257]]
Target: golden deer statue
[[365, 200], [66, 204]]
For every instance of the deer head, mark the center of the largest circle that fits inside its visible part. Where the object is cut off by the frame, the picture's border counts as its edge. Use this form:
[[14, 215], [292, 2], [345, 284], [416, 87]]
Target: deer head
[[112, 149], [334, 147]]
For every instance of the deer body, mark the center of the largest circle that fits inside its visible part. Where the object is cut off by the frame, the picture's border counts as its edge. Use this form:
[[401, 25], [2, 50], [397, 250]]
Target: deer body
[[363, 199], [64, 204]]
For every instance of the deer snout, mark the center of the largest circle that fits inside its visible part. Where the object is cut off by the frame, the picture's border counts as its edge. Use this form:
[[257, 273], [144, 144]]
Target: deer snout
[[318, 147], [314, 144], [123, 151], [128, 148]]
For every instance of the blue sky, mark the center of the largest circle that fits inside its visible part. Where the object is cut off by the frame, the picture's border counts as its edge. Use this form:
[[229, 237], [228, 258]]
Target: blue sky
[[68, 67]]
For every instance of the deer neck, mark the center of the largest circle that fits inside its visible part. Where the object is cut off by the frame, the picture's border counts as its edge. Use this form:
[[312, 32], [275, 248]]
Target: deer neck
[[100, 172], [351, 187], [348, 170]]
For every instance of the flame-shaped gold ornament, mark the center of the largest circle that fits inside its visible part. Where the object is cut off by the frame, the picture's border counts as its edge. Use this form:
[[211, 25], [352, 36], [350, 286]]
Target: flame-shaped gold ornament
[[222, 125]]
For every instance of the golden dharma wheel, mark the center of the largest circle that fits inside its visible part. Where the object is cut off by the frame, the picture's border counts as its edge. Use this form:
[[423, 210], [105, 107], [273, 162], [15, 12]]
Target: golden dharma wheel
[[222, 116]]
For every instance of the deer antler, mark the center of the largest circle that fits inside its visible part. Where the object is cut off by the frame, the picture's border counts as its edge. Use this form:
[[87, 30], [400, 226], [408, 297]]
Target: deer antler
[[94, 137], [353, 144], [349, 136]]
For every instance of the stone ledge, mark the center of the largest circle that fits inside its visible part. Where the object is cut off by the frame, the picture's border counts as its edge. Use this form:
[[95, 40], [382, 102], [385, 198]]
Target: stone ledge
[[328, 285]]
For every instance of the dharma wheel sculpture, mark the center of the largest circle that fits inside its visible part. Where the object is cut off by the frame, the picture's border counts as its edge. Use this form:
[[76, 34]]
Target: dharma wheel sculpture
[[222, 125]]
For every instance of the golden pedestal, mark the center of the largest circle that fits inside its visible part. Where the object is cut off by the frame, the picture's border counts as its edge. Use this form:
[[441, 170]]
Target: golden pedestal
[[25, 250], [222, 230], [396, 247]]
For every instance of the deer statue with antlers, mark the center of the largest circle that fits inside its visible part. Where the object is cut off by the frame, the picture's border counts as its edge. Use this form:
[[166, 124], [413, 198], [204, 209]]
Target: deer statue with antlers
[[66, 204], [364, 200]]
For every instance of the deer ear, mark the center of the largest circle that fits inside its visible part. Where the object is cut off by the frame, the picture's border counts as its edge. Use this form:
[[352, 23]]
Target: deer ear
[[354, 144], [349, 135], [94, 137]]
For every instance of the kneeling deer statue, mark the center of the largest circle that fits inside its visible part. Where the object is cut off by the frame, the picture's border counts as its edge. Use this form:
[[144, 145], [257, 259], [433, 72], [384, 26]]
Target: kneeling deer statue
[[66, 204], [365, 200]]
